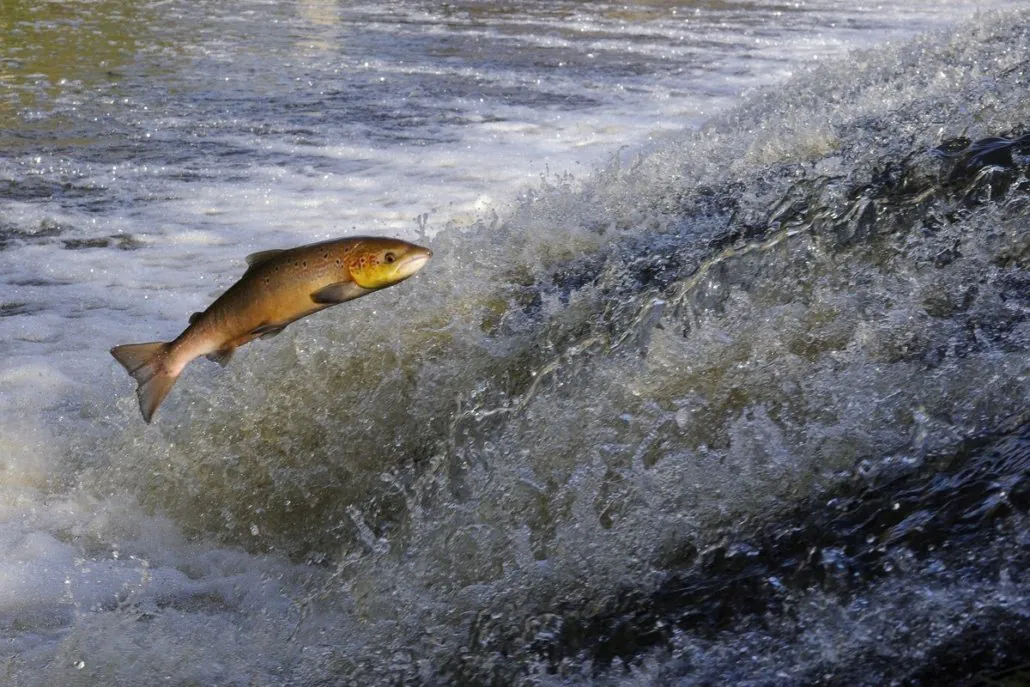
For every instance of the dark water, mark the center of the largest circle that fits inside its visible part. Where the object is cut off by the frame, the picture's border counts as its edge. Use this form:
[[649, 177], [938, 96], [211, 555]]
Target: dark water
[[745, 405]]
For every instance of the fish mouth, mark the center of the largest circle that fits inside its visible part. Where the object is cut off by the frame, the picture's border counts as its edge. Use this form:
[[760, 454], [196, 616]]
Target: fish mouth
[[413, 263]]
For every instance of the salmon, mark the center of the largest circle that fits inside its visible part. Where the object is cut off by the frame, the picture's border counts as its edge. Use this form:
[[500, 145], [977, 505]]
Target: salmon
[[279, 287]]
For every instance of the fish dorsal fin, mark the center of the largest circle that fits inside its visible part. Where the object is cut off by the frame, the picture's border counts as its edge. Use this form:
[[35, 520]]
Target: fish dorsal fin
[[338, 293], [255, 259], [194, 316]]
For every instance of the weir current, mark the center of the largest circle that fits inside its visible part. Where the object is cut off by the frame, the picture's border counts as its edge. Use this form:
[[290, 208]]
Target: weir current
[[747, 405]]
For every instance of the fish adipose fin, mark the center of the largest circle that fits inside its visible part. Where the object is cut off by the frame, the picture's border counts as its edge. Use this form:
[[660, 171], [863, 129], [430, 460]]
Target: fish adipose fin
[[338, 293], [145, 362], [194, 316], [222, 356]]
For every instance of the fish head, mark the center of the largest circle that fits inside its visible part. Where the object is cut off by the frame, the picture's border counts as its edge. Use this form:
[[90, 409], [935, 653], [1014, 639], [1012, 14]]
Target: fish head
[[378, 263]]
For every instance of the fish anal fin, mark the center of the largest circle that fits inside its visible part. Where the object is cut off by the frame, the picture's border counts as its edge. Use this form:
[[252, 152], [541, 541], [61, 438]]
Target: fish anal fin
[[338, 293], [255, 259], [222, 356]]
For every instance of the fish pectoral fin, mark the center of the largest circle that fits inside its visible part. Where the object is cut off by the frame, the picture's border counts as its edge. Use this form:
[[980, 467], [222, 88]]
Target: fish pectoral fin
[[194, 316], [338, 293], [262, 256], [267, 331], [221, 356]]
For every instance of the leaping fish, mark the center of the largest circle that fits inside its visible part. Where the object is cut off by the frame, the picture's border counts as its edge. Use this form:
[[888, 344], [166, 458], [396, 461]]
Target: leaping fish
[[279, 287]]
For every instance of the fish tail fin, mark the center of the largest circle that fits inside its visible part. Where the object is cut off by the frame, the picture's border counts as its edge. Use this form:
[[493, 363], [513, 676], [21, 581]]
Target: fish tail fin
[[146, 363]]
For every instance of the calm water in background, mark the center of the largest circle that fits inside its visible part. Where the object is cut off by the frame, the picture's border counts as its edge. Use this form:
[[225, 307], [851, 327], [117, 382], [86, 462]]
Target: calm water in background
[[351, 500]]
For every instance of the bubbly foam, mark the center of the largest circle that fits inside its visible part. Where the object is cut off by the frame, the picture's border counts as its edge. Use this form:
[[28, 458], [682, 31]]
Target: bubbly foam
[[440, 466]]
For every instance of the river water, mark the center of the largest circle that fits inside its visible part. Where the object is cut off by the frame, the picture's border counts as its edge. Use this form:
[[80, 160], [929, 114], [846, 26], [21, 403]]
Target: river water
[[719, 374]]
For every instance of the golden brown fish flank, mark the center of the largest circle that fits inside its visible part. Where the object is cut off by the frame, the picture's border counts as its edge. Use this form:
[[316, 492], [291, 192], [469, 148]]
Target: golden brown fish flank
[[279, 287]]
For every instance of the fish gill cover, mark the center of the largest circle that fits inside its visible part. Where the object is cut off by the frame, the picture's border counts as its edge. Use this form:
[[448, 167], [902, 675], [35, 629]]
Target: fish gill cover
[[750, 408]]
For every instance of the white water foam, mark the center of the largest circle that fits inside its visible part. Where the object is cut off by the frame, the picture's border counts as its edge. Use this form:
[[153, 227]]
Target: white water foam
[[98, 588]]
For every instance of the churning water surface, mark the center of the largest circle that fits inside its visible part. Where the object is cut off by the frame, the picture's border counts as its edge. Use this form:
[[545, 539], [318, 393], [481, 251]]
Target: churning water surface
[[705, 384]]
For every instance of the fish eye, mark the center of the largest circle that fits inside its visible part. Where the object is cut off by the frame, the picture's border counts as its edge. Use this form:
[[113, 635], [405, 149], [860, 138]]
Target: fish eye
[[389, 257]]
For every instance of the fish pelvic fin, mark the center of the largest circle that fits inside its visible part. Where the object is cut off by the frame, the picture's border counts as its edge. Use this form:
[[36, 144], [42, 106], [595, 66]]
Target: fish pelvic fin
[[146, 363]]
